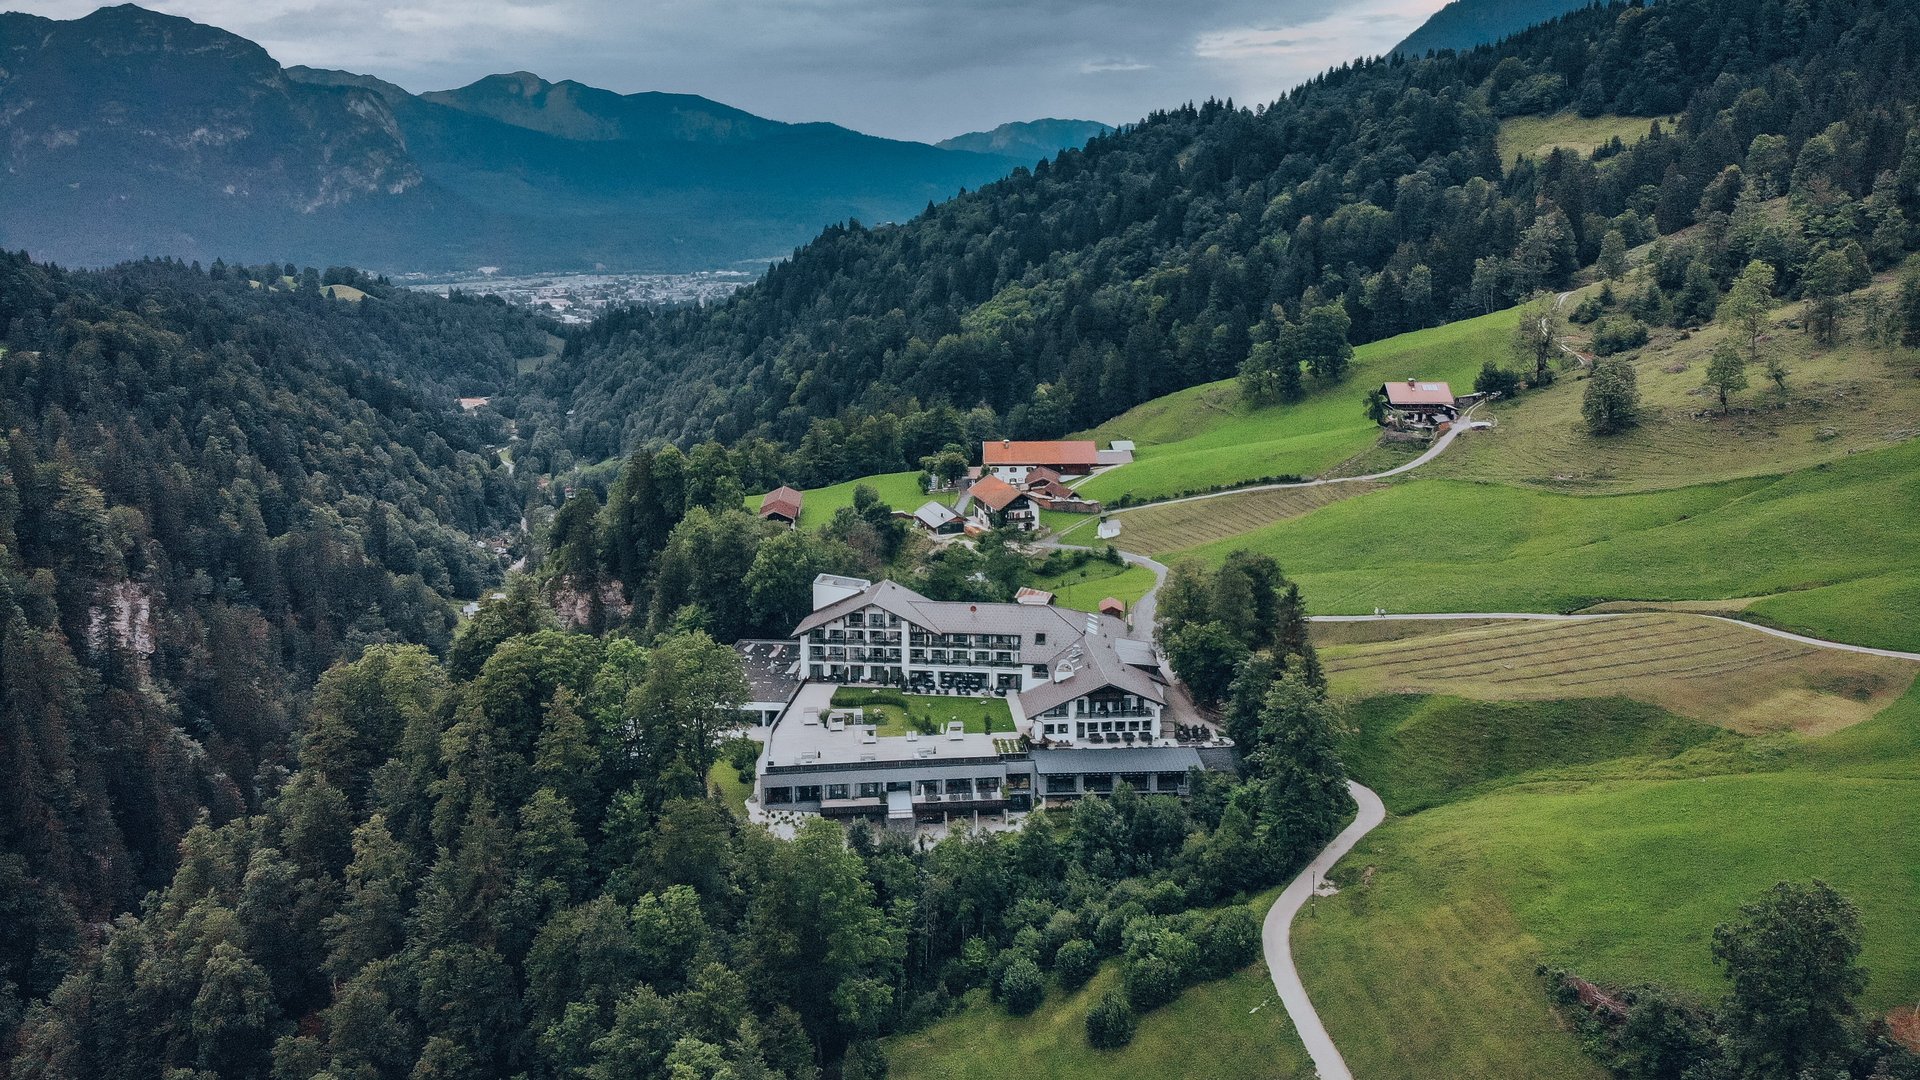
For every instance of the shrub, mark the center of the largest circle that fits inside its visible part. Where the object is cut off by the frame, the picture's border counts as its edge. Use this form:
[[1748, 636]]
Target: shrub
[[742, 753], [1228, 941], [1617, 335], [1075, 963], [1494, 379], [1022, 986], [1160, 963], [1587, 311], [1111, 1024]]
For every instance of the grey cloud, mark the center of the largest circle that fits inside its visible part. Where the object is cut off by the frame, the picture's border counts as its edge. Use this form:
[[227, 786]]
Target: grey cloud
[[921, 69]]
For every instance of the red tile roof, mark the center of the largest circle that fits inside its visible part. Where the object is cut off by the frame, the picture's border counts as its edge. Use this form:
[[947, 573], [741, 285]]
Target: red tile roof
[[1414, 392], [784, 501], [994, 493], [1080, 452]]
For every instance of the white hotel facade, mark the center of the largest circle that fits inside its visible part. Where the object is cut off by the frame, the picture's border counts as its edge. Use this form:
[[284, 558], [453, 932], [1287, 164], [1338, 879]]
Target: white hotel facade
[[1069, 678]]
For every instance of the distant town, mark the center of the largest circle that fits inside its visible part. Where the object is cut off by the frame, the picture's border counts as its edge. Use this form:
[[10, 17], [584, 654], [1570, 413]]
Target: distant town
[[576, 298]]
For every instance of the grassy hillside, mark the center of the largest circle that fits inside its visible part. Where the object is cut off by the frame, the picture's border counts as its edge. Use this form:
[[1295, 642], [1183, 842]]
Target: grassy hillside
[[1838, 402], [1619, 869], [1206, 437], [1421, 751], [1230, 1029], [1714, 672], [1434, 545], [1082, 588], [899, 490], [1538, 136]]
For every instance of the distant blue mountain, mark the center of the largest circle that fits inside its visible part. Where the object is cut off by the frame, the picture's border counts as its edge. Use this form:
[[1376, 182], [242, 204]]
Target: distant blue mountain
[[128, 133], [1028, 140]]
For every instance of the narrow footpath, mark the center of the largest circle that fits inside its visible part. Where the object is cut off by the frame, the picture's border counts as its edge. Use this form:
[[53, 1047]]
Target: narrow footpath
[[1277, 935]]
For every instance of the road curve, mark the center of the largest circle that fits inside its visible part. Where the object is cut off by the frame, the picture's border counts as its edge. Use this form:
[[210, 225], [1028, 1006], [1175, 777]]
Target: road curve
[[1277, 935], [1541, 616], [1434, 451]]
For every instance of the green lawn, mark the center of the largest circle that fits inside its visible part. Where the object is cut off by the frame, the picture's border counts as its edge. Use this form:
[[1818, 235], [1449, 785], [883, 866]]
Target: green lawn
[[899, 490], [1205, 436], [982, 716], [732, 789], [1438, 545], [1618, 869], [1083, 587], [1230, 1029]]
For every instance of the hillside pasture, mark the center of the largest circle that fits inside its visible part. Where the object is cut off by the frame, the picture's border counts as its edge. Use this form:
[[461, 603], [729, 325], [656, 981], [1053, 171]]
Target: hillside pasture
[[1538, 136], [1709, 670], [1442, 545], [900, 490], [1154, 529], [1619, 870], [1206, 437], [1838, 402]]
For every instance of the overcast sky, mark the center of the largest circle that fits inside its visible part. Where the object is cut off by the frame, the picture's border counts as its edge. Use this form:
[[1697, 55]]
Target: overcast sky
[[916, 69]]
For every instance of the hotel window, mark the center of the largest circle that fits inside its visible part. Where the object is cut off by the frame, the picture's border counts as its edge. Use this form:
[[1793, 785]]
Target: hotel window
[[1039, 639], [836, 791]]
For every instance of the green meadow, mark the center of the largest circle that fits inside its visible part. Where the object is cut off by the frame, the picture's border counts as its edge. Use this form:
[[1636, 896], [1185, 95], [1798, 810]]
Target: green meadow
[[900, 490], [1083, 587], [1445, 545], [1620, 868], [1207, 437]]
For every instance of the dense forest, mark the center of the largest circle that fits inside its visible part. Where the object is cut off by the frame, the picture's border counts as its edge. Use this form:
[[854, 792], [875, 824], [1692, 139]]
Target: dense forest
[[1160, 256], [268, 808], [507, 864], [213, 486]]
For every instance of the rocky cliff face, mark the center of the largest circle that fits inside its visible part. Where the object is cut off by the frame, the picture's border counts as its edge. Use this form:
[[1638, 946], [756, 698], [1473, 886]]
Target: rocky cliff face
[[105, 108]]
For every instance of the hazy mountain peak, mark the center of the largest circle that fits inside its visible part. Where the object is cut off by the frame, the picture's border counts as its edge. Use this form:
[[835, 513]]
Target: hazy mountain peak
[[1030, 140], [573, 110], [1464, 24]]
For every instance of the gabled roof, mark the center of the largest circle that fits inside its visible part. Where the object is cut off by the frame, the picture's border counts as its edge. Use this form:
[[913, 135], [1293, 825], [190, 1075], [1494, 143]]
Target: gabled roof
[[994, 493], [1052, 489], [1098, 665], [1062, 628], [1060, 452], [784, 501], [1414, 392], [935, 514]]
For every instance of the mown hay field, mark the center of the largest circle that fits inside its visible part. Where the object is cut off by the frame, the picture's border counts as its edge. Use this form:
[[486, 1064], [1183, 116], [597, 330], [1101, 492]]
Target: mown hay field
[[1712, 671]]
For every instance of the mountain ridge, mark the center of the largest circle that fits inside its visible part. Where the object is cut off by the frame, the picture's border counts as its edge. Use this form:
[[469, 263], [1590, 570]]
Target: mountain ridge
[[1033, 139], [131, 133]]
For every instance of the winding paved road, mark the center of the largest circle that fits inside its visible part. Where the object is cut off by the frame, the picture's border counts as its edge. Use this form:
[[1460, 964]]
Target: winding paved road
[[1277, 935]]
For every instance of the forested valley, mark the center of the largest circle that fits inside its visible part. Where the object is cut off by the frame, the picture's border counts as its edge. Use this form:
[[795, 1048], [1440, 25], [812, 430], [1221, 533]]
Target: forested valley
[[210, 492], [269, 807]]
